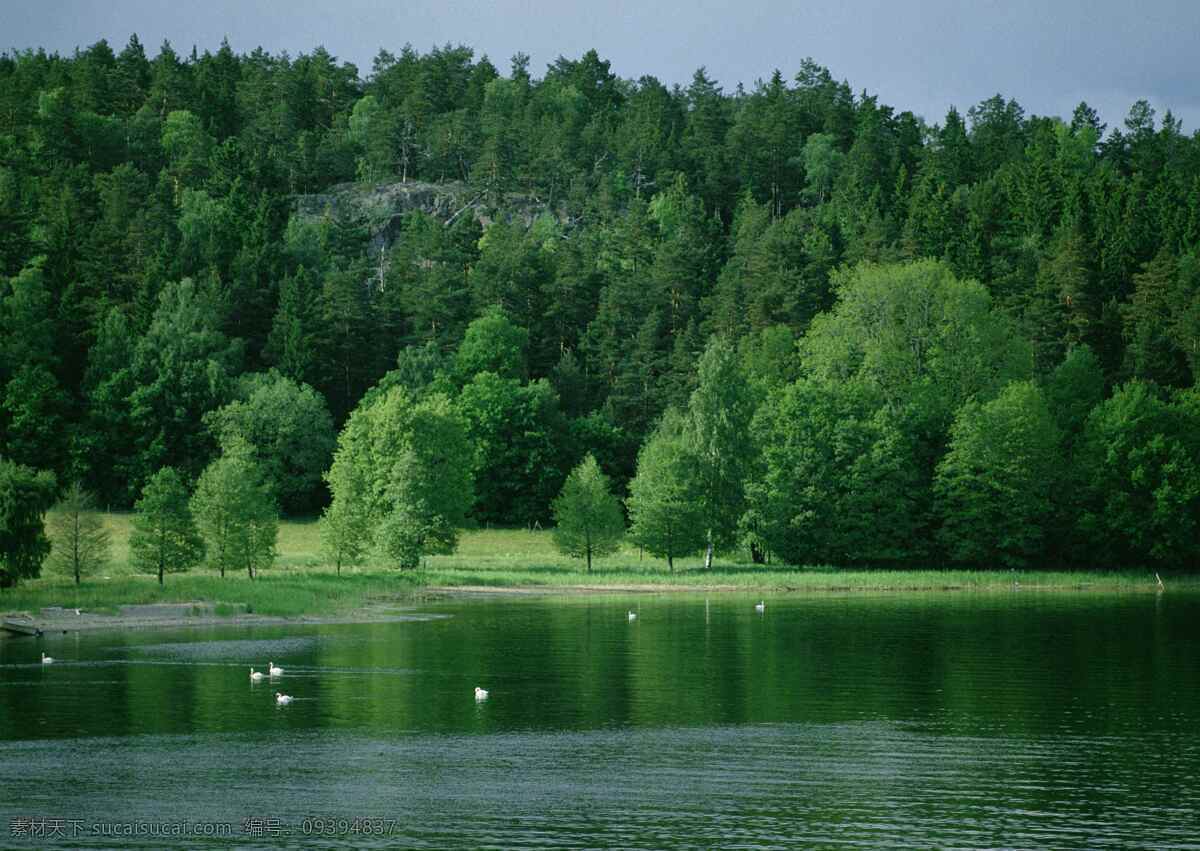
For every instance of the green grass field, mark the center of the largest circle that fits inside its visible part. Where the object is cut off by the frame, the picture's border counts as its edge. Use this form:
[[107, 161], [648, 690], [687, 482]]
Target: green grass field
[[302, 583]]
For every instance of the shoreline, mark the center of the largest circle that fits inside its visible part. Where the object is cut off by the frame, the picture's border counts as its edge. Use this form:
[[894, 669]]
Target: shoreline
[[199, 614], [404, 606], [303, 587], [845, 588]]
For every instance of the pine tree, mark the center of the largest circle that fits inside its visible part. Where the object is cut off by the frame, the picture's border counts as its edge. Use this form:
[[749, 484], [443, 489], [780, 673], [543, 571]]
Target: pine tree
[[25, 494], [1152, 354], [345, 327]]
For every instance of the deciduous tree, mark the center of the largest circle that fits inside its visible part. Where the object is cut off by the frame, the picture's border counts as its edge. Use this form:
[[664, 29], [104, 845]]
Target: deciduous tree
[[520, 444], [289, 430], [665, 515], [994, 487], [839, 480], [235, 511], [401, 478], [918, 333], [587, 517], [164, 538], [1141, 494], [718, 422]]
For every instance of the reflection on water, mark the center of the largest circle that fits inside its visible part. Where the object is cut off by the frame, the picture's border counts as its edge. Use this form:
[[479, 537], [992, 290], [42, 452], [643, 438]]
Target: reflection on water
[[951, 720]]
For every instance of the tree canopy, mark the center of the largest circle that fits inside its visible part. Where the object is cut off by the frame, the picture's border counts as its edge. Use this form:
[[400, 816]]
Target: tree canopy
[[25, 495], [401, 479], [197, 249], [994, 487], [287, 427]]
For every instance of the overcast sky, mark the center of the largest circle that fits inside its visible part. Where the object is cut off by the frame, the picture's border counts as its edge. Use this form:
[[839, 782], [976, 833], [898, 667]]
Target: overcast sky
[[922, 55]]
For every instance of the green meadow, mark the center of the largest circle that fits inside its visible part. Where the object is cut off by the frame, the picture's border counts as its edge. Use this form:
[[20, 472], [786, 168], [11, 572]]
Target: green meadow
[[302, 582]]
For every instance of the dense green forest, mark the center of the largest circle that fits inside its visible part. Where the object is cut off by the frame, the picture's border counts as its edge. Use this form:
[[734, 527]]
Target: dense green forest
[[786, 318]]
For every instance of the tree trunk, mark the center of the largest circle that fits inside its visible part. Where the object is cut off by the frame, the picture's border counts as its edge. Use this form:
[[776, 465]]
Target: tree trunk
[[250, 571], [589, 559], [160, 573], [670, 562], [708, 553], [756, 553]]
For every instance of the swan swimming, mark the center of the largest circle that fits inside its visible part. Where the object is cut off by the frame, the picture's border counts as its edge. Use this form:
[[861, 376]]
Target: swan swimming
[[480, 693], [274, 670], [255, 676], [282, 698], [633, 616], [47, 660], [760, 606]]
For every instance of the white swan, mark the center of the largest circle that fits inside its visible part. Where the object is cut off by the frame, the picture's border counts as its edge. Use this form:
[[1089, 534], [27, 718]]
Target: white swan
[[47, 660], [480, 693], [760, 606], [633, 616], [274, 670], [255, 676], [282, 698]]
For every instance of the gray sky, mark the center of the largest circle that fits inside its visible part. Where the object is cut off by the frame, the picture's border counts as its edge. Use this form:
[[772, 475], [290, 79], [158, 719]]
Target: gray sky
[[922, 55]]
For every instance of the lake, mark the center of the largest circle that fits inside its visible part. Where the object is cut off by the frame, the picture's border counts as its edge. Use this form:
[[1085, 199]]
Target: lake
[[1025, 719]]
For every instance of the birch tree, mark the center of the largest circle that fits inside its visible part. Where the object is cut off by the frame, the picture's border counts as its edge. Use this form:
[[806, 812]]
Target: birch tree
[[665, 516], [718, 437]]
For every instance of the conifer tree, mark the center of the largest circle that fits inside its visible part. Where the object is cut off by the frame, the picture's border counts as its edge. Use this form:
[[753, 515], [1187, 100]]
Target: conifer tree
[[79, 542], [25, 494]]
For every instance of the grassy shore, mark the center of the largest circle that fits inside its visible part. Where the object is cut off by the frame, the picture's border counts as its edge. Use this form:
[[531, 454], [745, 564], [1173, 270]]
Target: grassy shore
[[302, 583]]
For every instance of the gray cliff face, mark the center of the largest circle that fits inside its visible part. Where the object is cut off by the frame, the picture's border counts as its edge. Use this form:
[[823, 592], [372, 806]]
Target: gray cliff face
[[384, 205]]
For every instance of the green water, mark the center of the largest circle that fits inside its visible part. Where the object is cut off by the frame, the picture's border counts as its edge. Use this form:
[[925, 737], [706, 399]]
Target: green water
[[1009, 720]]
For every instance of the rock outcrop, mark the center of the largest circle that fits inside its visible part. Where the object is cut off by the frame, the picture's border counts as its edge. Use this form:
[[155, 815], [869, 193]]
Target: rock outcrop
[[383, 205]]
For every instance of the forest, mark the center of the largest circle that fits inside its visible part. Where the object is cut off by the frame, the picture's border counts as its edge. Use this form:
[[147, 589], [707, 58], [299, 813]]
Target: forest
[[786, 320]]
